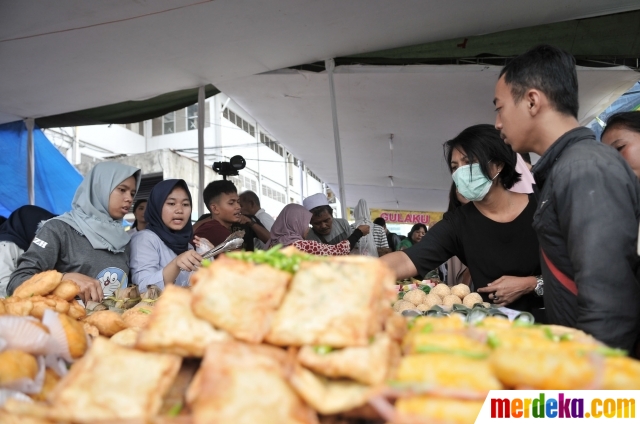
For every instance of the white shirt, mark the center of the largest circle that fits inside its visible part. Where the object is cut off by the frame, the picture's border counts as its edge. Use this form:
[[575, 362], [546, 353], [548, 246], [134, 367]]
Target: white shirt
[[266, 220], [9, 255]]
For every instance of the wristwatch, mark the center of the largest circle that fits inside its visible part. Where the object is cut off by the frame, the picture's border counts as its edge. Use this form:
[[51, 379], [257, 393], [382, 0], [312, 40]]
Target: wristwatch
[[539, 289]]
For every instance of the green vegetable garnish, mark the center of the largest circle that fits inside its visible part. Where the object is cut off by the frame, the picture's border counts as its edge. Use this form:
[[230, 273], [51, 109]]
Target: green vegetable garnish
[[427, 328], [466, 354], [411, 323], [322, 350], [144, 311], [425, 289], [206, 262], [522, 323], [566, 337], [275, 258], [175, 410], [493, 341], [400, 295], [609, 351], [549, 335]]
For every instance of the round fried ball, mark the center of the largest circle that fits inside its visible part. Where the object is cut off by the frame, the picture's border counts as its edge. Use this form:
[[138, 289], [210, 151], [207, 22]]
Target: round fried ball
[[460, 290], [423, 307], [415, 296], [471, 299], [451, 299], [403, 305], [432, 300], [441, 290]]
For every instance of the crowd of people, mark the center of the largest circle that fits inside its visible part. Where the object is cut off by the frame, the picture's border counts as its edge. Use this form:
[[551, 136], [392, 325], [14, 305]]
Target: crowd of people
[[559, 241]]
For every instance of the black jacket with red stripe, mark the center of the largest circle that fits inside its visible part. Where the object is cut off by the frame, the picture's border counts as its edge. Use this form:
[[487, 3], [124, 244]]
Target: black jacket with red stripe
[[587, 225]]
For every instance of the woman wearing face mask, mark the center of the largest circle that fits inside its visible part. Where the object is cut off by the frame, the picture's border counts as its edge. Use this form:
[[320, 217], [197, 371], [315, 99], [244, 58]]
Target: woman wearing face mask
[[88, 244], [491, 234], [415, 235], [162, 254]]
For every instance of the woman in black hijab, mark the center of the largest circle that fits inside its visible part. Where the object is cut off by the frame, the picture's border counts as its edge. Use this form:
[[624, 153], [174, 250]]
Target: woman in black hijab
[[162, 253], [16, 234]]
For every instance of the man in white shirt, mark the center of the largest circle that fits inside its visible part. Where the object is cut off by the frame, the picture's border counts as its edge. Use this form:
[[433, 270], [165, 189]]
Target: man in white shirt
[[250, 208], [324, 227]]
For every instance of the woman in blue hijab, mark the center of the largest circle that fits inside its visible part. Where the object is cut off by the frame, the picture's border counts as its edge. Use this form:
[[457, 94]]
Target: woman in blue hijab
[[162, 253], [16, 234]]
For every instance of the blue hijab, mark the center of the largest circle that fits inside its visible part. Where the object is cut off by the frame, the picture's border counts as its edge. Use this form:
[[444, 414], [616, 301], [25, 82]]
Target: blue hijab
[[177, 241], [22, 225]]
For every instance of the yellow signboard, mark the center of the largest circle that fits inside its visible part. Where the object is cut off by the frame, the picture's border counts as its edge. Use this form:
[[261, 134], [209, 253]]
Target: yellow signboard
[[404, 217]]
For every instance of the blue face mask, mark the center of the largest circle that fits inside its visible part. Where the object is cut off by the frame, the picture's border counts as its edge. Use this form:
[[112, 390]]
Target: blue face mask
[[471, 182]]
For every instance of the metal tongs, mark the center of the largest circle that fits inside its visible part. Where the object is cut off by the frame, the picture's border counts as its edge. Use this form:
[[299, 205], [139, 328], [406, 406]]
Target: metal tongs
[[233, 242]]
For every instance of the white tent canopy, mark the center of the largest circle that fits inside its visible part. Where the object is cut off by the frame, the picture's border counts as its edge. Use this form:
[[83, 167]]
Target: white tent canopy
[[421, 105], [68, 55]]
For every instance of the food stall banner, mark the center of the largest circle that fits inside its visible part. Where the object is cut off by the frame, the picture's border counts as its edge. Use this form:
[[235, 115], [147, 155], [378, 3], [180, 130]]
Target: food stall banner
[[55, 181], [403, 217]]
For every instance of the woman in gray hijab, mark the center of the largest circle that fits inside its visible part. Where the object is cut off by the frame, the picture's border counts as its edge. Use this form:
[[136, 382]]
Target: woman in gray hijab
[[87, 244]]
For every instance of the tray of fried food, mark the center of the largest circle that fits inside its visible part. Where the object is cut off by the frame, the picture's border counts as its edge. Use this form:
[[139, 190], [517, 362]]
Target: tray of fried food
[[44, 291]]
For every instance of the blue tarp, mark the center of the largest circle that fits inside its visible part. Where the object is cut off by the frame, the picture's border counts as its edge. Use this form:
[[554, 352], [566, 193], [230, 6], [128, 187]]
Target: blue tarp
[[56, 180]]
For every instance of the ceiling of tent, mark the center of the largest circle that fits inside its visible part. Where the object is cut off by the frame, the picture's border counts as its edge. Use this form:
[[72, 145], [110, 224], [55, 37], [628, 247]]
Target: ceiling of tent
[[69, 55], [421, 105]]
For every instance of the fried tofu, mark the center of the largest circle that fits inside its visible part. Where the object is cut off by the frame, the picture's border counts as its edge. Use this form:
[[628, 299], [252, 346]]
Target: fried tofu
[[239, 297], [329, 396], [366, 364], [448, 371], [76, 337], [67, 290], [40, 284], [137, 317], [421, 409], [107, 322], [245, 384], [113, 383], [336, 303], [16, 365], [126, 338], [173, 328]]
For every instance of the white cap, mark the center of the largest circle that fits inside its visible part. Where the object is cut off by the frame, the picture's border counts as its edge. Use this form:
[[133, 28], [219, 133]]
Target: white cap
[[314, 201]]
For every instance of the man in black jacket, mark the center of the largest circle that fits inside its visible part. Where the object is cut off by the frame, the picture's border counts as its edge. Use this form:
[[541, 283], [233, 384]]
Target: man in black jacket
[[589, 204]]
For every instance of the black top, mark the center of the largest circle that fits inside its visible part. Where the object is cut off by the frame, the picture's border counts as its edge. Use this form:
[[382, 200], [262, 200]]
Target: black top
[[489, 249]]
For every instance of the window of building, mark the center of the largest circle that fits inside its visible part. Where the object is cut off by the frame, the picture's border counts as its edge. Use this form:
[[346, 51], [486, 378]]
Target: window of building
[[192, 117], [169, 123]]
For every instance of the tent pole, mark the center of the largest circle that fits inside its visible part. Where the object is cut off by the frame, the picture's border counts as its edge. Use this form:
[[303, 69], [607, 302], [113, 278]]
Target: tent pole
[[301, 165], [29, 122], [330, 65], [201, 119]]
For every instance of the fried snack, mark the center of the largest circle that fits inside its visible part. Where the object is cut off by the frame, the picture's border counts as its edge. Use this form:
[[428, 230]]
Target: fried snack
[[126, 338], [556, 369], [337, 302], [445, 342], [76, 311], [239, 297], [76, 337], [113, 383], [137, 317], [107, 322], [245, 384], [3, 310], [16, 365], [91, 330], [41, 304], [173, 328], [448, 371], [39, 285], [621, 373], [329, 396], [67, 290], [366, 364], [50, 381], [16, 306], [421, 409]]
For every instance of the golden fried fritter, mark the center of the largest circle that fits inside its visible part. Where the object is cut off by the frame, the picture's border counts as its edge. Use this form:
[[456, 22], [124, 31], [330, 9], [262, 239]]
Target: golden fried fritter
[[39, 285], [15, 365], [67, 290], [107, 322]]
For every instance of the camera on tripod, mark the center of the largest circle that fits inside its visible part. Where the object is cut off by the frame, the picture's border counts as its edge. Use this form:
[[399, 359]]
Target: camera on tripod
[[226, 169]]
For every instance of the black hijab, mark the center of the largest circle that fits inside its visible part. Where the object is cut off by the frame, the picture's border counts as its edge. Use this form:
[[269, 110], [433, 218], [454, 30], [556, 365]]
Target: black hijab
[[22, 225], [178, 241]]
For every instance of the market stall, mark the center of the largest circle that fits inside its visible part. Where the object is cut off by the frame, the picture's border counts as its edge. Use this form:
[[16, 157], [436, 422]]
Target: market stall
[[286, 337]]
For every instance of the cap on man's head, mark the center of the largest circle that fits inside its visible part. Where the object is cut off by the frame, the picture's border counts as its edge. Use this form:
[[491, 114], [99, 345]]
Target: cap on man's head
[[314, 201]]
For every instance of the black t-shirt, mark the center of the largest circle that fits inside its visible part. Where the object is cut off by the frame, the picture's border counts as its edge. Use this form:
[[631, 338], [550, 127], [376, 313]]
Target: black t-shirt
[[489, 249]]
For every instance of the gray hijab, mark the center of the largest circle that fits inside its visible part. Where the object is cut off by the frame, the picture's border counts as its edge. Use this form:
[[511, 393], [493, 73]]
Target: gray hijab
[[90, 207]]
